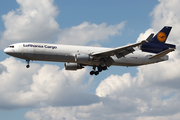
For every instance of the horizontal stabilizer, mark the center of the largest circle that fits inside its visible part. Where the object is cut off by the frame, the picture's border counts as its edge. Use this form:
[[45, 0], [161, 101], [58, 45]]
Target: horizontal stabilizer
[[162, 54]]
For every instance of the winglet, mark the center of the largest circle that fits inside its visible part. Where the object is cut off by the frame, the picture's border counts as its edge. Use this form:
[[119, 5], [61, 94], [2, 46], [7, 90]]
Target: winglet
[[163, 53], [150, 37]]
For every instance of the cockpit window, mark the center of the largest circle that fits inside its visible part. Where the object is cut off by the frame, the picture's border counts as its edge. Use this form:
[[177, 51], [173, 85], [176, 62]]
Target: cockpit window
[[11, 46]]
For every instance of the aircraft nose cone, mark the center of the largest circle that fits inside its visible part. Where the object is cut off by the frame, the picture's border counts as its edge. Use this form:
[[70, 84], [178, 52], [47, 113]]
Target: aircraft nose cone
[[7, 50]]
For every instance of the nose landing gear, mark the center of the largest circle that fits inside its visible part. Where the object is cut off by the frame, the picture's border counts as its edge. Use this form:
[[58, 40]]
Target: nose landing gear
[[27, 66]]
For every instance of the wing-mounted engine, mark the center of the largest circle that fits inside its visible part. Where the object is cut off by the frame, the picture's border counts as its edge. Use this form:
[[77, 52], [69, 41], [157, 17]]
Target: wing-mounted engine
[[73, 66], [83, 58]]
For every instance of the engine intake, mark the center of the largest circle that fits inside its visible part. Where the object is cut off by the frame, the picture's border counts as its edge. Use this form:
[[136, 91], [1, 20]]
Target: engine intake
[[73, 66]]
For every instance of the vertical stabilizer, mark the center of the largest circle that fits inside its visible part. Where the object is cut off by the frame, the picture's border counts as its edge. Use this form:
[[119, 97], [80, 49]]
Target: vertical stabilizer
[[162, 35]]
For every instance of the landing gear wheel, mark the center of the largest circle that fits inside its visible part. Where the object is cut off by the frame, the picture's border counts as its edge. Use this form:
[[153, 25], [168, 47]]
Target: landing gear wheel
[[96, 73], [92, 72], [99, 69], [27, 66], [104, 67]]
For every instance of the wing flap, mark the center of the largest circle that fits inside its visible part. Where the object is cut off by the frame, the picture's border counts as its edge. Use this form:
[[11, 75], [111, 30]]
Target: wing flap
[[163, 53]]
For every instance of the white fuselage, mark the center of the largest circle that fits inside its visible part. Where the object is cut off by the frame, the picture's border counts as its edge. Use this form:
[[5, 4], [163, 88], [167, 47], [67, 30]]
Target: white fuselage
[[66, 53]]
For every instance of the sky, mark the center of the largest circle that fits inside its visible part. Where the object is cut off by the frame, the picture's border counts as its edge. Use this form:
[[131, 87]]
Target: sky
[[47, 91]]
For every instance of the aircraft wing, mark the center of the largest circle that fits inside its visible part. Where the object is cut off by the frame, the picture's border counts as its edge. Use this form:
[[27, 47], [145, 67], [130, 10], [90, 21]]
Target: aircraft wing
[[119, 51]]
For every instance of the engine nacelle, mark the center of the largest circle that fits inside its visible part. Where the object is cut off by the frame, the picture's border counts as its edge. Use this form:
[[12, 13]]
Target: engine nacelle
[[73, 66], [155, 48], [82, 58]]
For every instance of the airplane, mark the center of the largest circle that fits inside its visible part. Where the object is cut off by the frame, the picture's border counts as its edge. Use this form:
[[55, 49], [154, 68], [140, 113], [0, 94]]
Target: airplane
[[152, 50]]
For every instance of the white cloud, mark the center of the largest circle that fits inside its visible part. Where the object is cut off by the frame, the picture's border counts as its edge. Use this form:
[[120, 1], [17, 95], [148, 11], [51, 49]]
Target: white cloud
[[2, 68], [121, 99], [112, 84], [144, 36], [50, 113], [33, 21], [42, 86], [86, 32]]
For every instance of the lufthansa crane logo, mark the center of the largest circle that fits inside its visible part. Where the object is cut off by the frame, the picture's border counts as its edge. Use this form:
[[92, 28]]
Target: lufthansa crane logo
[[161, 36]]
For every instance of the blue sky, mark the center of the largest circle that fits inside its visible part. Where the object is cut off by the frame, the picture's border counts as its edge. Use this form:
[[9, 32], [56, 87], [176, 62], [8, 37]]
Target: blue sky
[[119, 93]]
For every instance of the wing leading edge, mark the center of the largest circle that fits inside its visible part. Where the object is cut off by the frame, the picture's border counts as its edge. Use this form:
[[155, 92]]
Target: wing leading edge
[[119, 51]]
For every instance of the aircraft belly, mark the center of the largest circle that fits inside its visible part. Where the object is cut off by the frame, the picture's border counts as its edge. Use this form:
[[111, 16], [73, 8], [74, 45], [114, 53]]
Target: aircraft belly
[[129, 60], [18, 55], [136, 61], [51, 57]]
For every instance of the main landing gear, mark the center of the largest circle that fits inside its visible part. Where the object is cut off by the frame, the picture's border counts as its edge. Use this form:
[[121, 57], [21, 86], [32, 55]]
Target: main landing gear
[[27, 66], [100, 69]]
